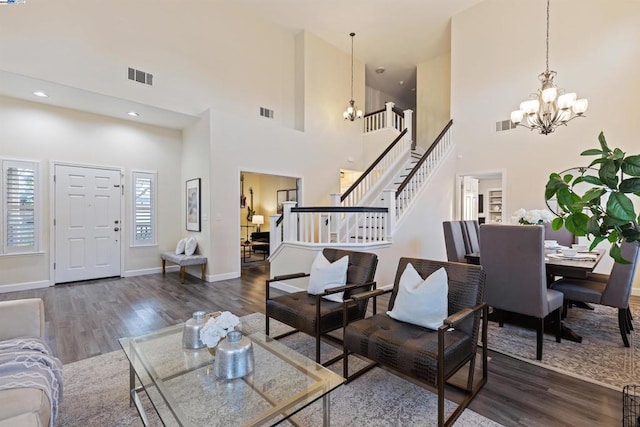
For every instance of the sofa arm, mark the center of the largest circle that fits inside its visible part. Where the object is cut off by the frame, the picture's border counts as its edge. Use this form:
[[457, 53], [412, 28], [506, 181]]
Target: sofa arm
[[22, 318]]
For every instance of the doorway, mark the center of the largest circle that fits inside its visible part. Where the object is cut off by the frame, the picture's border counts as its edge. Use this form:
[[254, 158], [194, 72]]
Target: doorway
[[87, 223], [261, 198], [480, 197]]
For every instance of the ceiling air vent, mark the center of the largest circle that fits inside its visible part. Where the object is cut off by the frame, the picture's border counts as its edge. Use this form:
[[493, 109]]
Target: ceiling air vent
[[504, 125], [265, 112], [140, 76]]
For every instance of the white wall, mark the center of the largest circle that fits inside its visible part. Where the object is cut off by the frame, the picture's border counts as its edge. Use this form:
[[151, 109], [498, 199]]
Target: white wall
[[594, 47], [433, 97], [210, 59], [45, 133]]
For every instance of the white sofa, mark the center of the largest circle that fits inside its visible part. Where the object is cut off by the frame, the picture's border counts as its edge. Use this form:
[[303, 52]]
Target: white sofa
[[23, 406]]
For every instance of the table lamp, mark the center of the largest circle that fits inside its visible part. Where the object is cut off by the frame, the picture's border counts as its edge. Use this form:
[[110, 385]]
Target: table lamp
[[257, 220]]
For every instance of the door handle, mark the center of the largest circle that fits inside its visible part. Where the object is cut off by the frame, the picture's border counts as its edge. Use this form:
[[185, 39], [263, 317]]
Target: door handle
[[116, 229]]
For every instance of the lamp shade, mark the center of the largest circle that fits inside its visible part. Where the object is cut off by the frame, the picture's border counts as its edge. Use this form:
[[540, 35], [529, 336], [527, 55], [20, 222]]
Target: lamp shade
[[258, 219]]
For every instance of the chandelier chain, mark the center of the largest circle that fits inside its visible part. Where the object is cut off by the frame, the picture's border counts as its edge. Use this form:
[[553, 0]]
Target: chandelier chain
[[548, 1], [352, 35]]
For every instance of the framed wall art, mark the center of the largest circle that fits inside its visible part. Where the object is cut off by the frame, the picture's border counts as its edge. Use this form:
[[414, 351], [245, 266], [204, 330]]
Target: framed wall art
[[193, 205]]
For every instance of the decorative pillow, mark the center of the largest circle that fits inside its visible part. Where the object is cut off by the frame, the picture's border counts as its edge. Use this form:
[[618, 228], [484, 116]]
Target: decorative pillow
[[422, 302], [325, 274], [190, 246], [180, 247]]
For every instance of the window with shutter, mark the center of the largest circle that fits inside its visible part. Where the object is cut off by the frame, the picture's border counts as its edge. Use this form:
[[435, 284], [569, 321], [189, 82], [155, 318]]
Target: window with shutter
[[144, 208], [19, 206]]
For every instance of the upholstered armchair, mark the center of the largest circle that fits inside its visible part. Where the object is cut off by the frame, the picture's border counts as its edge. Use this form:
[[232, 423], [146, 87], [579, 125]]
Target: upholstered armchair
[[612, 290], [314, 314], [431, 354], [513, 258]]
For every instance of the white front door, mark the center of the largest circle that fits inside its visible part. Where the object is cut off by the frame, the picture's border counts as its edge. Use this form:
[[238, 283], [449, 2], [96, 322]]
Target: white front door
[[87, 223]]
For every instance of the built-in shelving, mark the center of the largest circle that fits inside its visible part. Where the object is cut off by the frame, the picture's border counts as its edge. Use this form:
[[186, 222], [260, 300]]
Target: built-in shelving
[[494, 205]]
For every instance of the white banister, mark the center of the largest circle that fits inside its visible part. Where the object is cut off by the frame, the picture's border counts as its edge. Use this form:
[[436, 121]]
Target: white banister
[[289, 222], [408, 123]]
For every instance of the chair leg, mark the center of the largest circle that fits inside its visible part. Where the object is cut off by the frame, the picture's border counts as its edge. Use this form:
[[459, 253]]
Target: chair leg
[[266, 325], [630, 319], [622, 318], [565, 308], [539, 337], [559, 325]]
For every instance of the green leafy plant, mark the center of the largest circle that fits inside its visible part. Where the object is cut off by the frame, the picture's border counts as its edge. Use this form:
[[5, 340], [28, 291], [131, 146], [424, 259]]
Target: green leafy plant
[[605, 211]]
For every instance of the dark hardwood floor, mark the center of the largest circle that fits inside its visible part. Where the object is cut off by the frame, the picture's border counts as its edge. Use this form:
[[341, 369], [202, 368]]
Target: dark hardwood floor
[[86, 319]]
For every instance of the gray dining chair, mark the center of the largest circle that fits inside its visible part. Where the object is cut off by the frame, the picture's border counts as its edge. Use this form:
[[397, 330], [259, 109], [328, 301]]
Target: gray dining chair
[[613, 290], [460, 238], [513, 258], [454, 240], [562, 236]]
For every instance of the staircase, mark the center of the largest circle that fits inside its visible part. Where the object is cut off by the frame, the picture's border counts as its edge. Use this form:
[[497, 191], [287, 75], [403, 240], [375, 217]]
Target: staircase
[[369, 212]]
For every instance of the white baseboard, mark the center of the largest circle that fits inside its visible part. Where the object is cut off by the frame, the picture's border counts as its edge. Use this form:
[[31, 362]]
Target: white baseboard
[[220, 277], [25, 286], [635, 292]]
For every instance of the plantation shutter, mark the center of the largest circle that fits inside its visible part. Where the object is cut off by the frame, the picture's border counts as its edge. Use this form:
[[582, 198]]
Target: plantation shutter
[[144, 208], [19, 206]]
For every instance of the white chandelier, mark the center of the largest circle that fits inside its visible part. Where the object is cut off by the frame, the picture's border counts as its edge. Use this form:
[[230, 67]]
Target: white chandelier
[[352, 112], [549, 107]]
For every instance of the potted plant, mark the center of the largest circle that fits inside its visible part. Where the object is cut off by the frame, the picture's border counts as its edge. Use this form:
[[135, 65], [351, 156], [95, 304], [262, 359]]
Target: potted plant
[[605, 211]]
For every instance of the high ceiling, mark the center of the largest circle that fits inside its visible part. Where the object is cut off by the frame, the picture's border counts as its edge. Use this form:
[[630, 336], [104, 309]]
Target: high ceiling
[[396, 35]]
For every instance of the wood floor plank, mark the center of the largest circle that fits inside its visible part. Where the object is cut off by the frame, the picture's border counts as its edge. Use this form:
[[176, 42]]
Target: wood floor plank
[[86, 319]]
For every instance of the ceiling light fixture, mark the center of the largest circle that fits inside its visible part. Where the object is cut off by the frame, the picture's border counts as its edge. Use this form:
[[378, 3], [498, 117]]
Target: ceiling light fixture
[[549, 107], [133, 114], [41, 94], [352, 112]]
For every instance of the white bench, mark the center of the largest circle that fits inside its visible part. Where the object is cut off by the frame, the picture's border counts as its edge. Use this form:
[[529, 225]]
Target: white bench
[[183, 260]]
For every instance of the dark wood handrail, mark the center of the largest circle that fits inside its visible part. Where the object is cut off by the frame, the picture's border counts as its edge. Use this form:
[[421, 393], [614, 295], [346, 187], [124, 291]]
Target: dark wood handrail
[[339, 209], [423, 158], [394, 109], [373, 165]]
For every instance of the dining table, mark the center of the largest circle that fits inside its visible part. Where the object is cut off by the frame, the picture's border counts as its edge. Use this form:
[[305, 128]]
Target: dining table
[[558, 265]]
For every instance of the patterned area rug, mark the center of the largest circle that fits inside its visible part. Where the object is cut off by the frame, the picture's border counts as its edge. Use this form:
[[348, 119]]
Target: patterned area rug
[[600, 358], [96, 393]]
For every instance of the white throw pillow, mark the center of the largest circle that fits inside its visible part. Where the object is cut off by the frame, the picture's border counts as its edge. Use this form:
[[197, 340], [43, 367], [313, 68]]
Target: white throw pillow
[[325, 274], [190, 246], [180, 248], [422, 302]]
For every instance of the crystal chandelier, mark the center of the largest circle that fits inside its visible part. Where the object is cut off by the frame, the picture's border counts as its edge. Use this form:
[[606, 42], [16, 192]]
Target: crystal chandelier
[[352, 112], [549, 107]]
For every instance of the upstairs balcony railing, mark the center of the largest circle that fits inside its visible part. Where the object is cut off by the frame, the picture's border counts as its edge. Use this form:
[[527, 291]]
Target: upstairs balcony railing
[[389, 117]]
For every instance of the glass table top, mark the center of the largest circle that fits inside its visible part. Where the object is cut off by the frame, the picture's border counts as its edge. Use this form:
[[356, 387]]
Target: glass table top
[[184, 390]]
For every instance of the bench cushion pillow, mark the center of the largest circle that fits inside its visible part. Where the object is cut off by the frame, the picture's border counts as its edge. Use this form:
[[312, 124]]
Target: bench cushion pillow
[[181, 245], [190, 246]]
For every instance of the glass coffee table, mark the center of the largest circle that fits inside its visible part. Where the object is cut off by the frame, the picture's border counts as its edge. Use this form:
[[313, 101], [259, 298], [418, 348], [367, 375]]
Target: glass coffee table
[[184, 391]]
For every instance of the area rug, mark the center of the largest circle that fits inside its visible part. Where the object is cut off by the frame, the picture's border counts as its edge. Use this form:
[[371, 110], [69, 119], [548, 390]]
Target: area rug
[[600, 358], [96, 393]]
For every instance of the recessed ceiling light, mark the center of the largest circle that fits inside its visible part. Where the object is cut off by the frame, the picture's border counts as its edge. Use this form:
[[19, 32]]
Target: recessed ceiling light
[[133, 114], [41, 94], [380, 70]]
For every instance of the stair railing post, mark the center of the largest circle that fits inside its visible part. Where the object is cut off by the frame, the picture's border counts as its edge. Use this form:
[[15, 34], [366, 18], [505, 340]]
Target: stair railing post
[[408, 124], [390, 204], [389, 120], [336, 218], [290, 222], [275, 235]]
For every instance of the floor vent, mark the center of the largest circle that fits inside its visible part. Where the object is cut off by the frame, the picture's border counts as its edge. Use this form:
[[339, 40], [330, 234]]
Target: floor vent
[[504, 125], [265, 112], [140, 76]]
